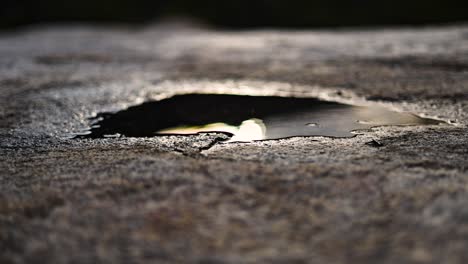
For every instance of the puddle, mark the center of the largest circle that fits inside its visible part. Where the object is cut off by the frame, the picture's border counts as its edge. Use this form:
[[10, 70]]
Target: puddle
[[246, 118]]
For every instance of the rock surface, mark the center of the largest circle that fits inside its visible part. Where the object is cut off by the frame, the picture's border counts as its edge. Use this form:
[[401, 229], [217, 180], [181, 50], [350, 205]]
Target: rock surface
[[389, 195]]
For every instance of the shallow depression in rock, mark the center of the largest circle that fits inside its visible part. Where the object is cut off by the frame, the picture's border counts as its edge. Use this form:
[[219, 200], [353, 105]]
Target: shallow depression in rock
[[245, 118]]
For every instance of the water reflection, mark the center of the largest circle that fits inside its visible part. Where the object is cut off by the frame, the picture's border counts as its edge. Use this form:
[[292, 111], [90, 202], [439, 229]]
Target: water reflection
[[246, 118]]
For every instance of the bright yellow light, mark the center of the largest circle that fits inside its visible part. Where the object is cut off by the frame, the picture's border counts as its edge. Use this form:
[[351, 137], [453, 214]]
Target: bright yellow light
[[251, 129]]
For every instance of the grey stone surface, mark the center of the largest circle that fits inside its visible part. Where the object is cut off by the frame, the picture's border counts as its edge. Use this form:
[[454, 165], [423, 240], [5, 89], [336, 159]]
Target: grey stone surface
[[192, 200]]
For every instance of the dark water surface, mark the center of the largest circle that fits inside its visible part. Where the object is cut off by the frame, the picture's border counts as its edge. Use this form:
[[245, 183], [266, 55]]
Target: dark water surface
[[246, 118]]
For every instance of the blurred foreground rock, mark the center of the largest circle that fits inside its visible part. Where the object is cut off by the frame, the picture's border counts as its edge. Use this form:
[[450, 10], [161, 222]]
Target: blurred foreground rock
[[170, 199]]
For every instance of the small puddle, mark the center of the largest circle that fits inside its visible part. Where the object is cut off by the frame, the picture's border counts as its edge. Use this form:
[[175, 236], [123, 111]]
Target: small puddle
[[246, 118]]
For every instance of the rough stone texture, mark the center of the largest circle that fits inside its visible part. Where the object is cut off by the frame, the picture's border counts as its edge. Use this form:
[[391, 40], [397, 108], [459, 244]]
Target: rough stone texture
[[188, 199]]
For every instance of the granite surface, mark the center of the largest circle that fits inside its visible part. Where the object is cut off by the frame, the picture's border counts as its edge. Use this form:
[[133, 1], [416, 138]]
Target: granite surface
[[388, 195]]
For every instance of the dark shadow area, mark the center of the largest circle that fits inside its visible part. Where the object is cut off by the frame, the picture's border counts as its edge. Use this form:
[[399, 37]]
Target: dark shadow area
[[237, 13], [245, 118]]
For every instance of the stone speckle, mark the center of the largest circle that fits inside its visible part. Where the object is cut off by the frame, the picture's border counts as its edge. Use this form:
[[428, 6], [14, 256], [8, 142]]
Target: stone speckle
[[186, 199]]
